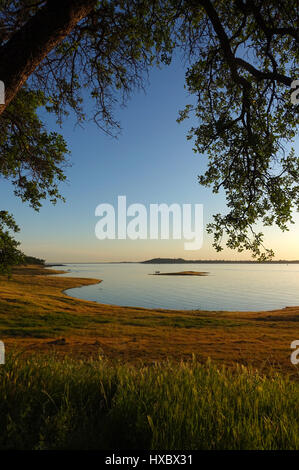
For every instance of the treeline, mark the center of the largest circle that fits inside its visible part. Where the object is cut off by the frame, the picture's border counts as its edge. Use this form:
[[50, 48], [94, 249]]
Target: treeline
[[33, 260], [208, 261]]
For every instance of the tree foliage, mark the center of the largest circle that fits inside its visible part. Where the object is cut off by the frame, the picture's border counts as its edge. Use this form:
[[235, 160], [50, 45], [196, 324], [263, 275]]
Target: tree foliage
[[106, 55], [10, 254], [241, 57], [31, 157], [244, 57], [34, 260]]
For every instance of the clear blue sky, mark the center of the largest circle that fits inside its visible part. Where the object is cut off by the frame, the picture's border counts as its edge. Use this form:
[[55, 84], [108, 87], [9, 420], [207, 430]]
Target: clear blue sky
[[150, 162]]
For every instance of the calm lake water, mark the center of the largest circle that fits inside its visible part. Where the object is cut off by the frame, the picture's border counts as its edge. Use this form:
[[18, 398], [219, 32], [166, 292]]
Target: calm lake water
[[228, 287]]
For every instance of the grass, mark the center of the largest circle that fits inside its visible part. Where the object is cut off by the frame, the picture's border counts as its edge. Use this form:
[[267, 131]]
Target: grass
[[54, 403], [124, 377], [35, 311]]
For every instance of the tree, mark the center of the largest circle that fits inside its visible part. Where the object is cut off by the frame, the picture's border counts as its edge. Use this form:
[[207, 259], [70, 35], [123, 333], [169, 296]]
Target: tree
[[241, 55], [245, 54], [10, 255], [49, 52]]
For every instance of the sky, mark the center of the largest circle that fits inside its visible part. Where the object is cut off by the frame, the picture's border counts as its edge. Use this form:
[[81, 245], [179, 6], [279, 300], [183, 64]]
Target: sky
[[150, 162]]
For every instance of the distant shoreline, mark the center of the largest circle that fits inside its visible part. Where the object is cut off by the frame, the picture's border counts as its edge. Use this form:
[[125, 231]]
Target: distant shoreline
[[185, 261], [176, 261], [181, 273]]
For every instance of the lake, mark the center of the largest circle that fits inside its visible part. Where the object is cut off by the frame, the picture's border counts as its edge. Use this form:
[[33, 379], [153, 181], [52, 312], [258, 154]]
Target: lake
[[228, 286]]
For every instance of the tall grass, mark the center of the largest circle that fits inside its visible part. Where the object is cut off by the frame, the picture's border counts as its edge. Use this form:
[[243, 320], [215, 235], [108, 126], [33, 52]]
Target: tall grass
[[53, 404]]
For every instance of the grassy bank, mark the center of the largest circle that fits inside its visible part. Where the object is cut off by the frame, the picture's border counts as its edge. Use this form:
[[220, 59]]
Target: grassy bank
[[51, 404], [36, 315]]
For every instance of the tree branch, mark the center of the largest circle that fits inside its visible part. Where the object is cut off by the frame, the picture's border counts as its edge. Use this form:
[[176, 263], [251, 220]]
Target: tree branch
[[236, 62], [36, 39]]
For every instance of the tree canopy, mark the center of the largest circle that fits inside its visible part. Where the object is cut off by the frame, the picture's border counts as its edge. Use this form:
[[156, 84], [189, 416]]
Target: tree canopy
[[241, 55], [10, 254]]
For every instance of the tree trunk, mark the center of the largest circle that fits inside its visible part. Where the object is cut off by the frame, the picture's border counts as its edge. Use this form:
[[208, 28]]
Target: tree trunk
[[20, 56]]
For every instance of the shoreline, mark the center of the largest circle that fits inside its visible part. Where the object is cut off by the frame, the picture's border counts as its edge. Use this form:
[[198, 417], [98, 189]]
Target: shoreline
[[98, 281], [177, 262], [36, 315], [183, 273]]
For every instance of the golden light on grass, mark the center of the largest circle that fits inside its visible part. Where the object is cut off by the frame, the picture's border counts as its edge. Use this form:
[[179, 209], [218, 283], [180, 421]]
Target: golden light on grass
[[35, 313]]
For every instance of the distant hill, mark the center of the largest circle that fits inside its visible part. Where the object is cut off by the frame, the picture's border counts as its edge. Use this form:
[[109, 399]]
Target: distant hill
[[204, 261]]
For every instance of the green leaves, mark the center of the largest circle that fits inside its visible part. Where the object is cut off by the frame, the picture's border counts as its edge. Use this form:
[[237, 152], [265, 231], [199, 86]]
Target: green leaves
[[242, 57], [10, 255], [32, 158], [246, 119]]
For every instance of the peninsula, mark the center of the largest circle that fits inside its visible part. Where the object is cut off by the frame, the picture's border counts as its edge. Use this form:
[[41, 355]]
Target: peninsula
[[182, 273]]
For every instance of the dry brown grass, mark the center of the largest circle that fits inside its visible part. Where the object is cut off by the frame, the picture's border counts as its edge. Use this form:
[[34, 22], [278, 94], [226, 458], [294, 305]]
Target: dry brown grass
[[34, 313]]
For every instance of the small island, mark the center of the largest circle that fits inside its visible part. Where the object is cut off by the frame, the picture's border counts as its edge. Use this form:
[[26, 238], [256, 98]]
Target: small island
[[182, 273]]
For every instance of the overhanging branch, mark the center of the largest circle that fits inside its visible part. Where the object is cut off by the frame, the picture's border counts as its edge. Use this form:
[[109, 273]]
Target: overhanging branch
[[51, 24]]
